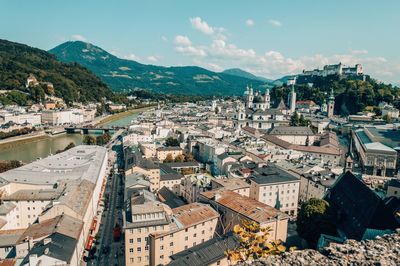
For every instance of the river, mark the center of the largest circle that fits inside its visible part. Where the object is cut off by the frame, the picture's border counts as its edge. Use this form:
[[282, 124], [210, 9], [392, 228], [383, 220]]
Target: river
[[30, 151]]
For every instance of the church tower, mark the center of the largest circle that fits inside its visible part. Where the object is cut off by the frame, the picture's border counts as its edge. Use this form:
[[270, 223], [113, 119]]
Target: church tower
[[292, 96], [267, 99], [331, 104], [250, 97]]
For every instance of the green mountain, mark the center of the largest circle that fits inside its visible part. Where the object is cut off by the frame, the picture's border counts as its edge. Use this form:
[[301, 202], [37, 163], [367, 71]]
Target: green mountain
[[244, 74], [71, 81], [125, 75]]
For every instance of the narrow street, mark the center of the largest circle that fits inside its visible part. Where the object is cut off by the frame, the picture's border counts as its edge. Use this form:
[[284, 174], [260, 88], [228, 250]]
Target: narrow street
[[109, 251]]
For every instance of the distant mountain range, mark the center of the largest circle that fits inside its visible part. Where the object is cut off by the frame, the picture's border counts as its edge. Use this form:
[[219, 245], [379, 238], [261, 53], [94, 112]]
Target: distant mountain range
[[122, 75], [244, 74]]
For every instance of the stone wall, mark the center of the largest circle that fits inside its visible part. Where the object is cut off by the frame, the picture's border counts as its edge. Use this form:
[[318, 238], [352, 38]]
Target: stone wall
[[383, 251]]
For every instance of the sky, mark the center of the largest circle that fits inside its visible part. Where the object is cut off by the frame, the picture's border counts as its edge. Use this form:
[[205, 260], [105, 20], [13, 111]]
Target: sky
[[267, 38]]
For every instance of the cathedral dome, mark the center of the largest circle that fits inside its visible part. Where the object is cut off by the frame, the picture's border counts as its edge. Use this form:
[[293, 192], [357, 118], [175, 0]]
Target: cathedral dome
[[258, 99]]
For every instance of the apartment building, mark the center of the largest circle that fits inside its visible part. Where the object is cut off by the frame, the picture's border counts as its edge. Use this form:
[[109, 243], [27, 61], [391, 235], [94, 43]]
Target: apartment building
[[234, 208], [154, 231], [275, 187], [65, 185], [233, 184], [145, 215], [193, 224], [149, 169], [163, 152]]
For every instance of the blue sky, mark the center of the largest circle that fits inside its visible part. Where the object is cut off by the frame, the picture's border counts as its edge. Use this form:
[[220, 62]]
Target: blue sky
[[268, 38]]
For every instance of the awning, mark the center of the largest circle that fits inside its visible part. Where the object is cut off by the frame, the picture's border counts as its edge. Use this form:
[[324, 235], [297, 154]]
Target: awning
[[94, 223], [89, 243]]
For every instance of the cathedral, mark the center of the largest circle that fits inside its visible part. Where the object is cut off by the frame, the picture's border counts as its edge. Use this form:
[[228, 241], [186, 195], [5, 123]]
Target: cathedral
[[257, 111]]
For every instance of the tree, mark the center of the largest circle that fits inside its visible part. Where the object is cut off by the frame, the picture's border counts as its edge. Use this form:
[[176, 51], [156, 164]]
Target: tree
[[294, 120], [179, 158], [253, 243], [189, 157], [171, 142], [89, 140], [315, 218], [103, 139], [387, 118], [69, 146], [169, 158]]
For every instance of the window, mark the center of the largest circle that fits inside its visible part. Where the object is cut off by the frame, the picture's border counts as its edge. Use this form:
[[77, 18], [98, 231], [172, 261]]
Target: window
[[186, 238], [203, 224], [139, 240], [139, 259], [202, 232], [161, 247], [29, 208], [131, 240], [194, 244], [171, 244], [202, 241], [29, 216], [139, 249], [162, 257], [195, 226], [186, 230], [132, 260], [146, 247], [147, 258], [194, 235], [131, 250], [218, 262]]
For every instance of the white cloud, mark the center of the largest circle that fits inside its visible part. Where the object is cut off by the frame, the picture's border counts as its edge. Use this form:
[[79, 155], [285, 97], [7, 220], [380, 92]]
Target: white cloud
[[275, 23], [78, 37], [221, 54], [152, 58], [201, 25], [250, 22], [182, 40], [191, 51], [165, 39], [221, 48], [131, 56]]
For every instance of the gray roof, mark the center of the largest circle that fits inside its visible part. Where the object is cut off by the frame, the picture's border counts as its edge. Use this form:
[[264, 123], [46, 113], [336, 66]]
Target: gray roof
[[206, 253], [6, 207], [271, 175], [81, 162], [182, 164], [284, 130], [136, 179], [60, 247], [170, 198]]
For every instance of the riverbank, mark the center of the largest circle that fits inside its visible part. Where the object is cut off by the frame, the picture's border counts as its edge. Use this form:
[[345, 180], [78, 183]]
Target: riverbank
[[114, 117], [13, 142]]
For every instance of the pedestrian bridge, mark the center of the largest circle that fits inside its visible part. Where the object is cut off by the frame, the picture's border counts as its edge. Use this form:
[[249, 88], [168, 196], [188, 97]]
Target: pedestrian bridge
[[89, 129]]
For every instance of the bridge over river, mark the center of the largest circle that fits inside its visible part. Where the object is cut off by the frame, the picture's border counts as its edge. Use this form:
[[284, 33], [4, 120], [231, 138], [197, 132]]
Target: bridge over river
[[92, 129]]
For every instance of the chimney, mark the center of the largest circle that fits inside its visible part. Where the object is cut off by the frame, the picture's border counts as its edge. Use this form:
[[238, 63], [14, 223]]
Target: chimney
[[217, 196], [46, 241]]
